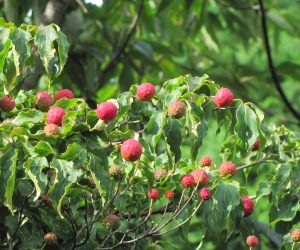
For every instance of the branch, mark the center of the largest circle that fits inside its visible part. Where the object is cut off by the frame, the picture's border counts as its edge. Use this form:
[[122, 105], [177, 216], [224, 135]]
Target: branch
[[270, 62], [132, 28], [252, 164]]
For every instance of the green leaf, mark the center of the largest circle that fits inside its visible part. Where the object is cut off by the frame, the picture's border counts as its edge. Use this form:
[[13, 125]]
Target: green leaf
[[75, 153], [43, 149], [29, 116], [173, 133], [63, 48], [8, 163]]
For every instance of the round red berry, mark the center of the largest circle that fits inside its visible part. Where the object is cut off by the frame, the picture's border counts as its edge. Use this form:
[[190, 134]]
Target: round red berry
[[223, 97], [55, 116], [107, 111], [153, 193], [187, 181], [131, 150], [176, 110], [205, 161], [169, 194], [227, 168], [248, 205], [7, 103], [44, 101], [200, 176], [145, 91], [64, 93], [295, 235], [205, 194], [252, 241]]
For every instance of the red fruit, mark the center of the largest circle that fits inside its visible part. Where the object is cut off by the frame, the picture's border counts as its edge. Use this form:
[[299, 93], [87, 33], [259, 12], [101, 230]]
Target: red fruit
[[187, 181], [252, 241], [7, 104], [248, 205], [169, 194], [145, 91], [50, 239], [200, 176], [153, 194], [205, 161], [131, 150], [227, 168], [106, 111], [223, 97], [44, 101], [205, 194], [51, 129], [64, 93], [255, 145], [176, 109], [295, 235], [55, 116]]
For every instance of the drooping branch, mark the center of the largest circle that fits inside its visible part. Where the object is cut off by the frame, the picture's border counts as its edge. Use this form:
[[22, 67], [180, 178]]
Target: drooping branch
[[271, 64], [121, 49]]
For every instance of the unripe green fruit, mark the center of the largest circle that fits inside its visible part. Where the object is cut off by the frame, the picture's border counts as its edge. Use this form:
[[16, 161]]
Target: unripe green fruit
[[176, 110]]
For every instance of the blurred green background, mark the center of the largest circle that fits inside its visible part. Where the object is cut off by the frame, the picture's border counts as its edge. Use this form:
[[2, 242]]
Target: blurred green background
[[116, 43]]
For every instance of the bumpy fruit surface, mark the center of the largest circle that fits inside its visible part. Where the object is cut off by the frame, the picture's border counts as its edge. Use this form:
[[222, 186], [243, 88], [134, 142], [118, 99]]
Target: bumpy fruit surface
[[295, 235], [200, 176], [64, 93], [176, 110], [153, 194], [159, 173], [227, 168], [131, 150], [51, 129], [106, 111], [55, 116], [187, 181], [255, 145], [252, 241], [248, 205], [112, 220], [223, 97], [50, 239], [145, 91], [44, 101], [169, 194], [205, 161], [205, 194], [7, 104], [116, 171]]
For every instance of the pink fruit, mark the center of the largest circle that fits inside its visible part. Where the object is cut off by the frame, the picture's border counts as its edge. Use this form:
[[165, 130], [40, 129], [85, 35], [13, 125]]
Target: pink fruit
[[153, 193], [55, 116], [51, 129], [169, 194], [44, 101], [200, 176], [187, 181], [50, 239], [7, 104], [176, 110], [145, 91], [205, 161], [205, 194], [106, 111], [223, 97], [295, 235], [64, 93], [252, 241], [131, 150], [227, 168], [248, 205]]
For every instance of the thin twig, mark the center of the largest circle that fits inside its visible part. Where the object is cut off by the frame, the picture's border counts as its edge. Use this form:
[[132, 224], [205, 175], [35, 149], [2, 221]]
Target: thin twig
[[252, 164], [270, 62]]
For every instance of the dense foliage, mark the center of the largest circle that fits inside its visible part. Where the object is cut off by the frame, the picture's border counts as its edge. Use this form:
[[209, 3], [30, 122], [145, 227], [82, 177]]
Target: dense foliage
[[71, 180], [119, 43]]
